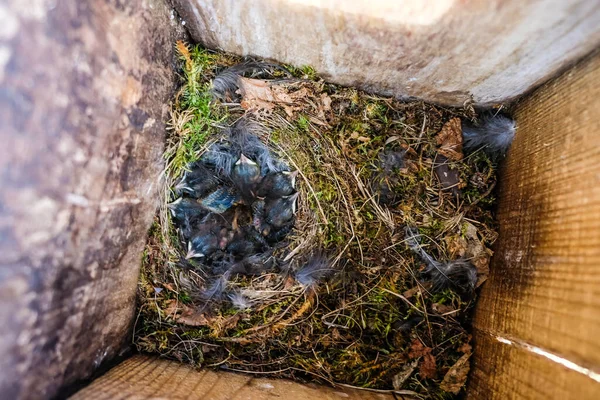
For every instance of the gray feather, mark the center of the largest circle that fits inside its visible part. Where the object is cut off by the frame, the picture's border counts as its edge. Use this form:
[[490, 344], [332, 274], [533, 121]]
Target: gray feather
[[494, 134]]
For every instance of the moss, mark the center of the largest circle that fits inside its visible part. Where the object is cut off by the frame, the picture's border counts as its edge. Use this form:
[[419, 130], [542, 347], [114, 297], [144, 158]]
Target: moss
[[347, 329]]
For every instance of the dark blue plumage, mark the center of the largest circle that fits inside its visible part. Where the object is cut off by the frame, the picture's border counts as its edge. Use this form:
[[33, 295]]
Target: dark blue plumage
[[245, 176], [221, 156], [277, 184], [208, 239], [280, 212], [184, 209], [197, 181], [220, 200]]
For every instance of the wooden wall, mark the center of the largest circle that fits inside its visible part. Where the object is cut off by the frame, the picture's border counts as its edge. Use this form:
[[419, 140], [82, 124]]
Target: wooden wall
[[537, 325], [442, 51]]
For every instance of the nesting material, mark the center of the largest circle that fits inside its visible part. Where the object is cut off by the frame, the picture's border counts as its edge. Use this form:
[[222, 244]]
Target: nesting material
[[370, 277]]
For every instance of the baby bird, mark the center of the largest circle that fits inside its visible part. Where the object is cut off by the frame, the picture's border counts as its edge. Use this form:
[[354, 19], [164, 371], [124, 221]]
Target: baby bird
[[280, 211], [220, 200], [246, 175], [277, 184], [203, 245], [259, 217], [197, 181], [221, 157], [184, 209]]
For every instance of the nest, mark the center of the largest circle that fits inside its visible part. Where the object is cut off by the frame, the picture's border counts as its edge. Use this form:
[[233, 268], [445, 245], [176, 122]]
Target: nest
[[370, 169]]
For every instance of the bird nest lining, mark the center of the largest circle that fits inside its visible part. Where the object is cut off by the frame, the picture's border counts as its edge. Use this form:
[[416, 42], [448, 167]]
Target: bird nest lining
[[355, 296]]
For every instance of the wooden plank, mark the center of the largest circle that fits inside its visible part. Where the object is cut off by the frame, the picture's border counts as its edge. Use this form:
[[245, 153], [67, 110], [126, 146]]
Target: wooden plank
[[83, 94], [443, 51], [501, 371], [144, 377], [544, 287]]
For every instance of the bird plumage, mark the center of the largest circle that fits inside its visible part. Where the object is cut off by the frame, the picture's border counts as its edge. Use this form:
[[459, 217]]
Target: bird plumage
[[277, 184], [280, 211], [184, 209], [493, 133], [197, 181], [220, 200], [317, 268], [458, 274]]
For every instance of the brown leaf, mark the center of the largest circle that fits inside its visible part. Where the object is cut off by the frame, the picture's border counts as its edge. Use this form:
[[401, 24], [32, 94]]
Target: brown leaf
[[455, 378], [457, 246], [428, 368], [417, 349], [465, 348], [450, 140], [411, 292], [441, 309], [325, 102], [191, 317]]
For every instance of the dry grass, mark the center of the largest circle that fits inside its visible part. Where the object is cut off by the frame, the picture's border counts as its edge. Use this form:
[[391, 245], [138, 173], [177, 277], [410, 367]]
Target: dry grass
[[377, 314]]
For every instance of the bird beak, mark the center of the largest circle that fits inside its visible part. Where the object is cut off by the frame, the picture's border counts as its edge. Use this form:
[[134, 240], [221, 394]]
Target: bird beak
[[244, 160], [191, 253], [293, 176], [294, 199]]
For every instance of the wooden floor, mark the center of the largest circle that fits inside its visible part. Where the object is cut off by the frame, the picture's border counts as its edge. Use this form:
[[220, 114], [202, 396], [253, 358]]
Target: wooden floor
[[145, 377]]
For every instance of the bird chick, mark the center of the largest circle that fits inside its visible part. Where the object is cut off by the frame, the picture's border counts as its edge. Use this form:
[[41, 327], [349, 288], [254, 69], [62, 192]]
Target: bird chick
[[245, 241], [277, 184], [279, 212], [493, 134], [245, 135], [220, 200], [197, 181], [458, 274], [259, 217], [184, 209], [206, 242], [246, 175], [221, 157]]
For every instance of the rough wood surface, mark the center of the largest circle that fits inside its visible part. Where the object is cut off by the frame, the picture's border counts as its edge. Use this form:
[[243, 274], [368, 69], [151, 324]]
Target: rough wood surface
[[83, 92], [541, 304], [444, 51], [144, 377]]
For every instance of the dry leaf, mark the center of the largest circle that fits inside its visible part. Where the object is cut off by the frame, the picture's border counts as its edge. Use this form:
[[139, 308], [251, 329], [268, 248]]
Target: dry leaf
[[427, 369], [417, 349], [325, 102], [457, 246], [411, 292], [455, 378], [405, 373], [191, 317], [442, 308], [450, 140], [465, 347]]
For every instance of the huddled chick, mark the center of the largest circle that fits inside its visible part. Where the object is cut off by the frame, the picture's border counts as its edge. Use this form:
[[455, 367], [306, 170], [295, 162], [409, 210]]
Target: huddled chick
[[235, 203]]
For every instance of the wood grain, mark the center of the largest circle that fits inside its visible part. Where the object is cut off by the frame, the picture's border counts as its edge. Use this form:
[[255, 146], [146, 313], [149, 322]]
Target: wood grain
[[544, 287], [443, 51], [144, 377]]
